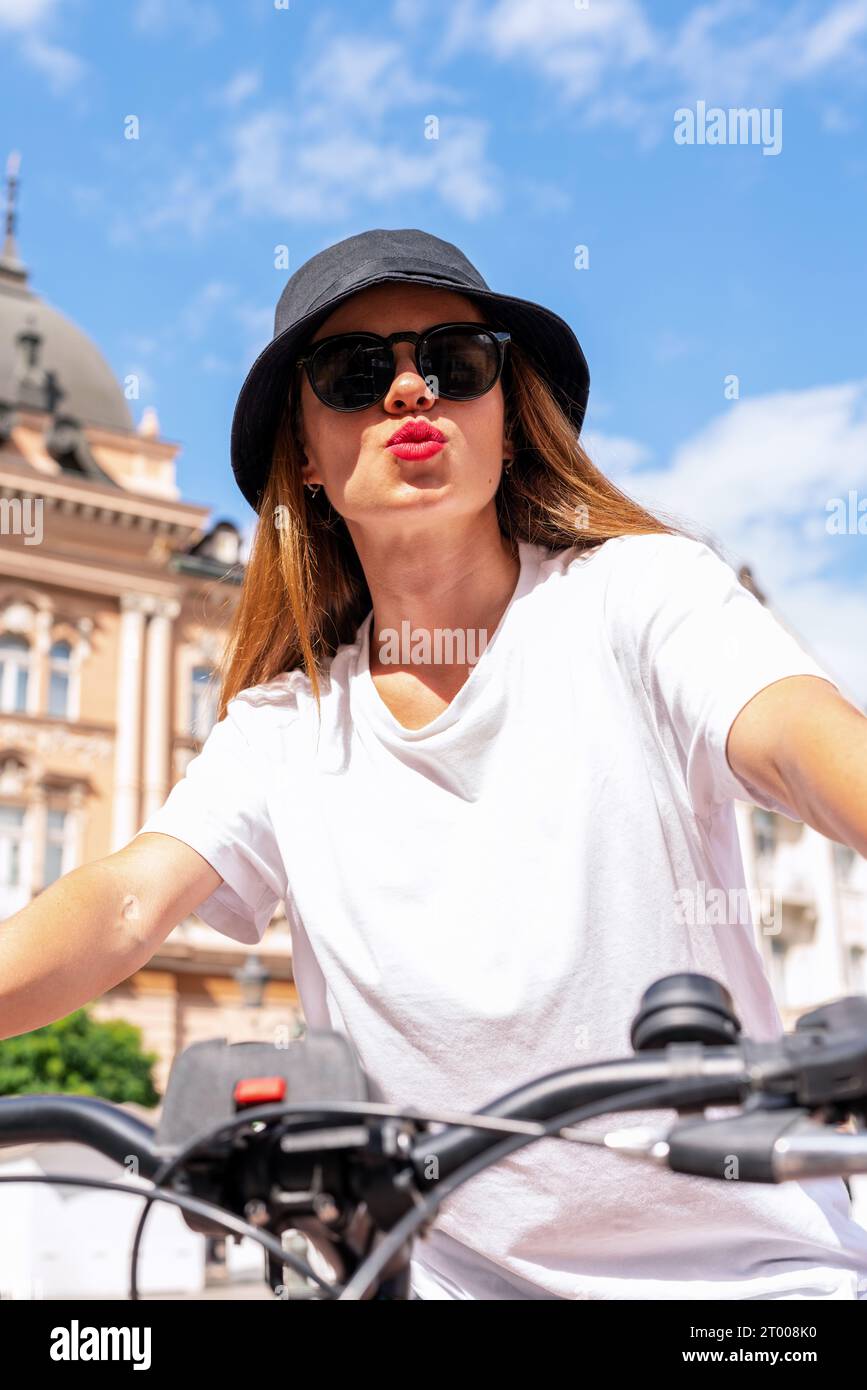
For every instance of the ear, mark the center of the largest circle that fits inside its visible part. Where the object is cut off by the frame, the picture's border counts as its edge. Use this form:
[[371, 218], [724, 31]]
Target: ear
[[308, 472]]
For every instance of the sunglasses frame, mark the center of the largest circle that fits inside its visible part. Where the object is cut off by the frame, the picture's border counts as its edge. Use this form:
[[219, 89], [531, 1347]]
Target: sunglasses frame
[[500, 337]]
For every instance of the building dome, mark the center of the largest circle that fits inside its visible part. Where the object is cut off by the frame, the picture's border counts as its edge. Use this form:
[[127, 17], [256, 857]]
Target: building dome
[[84, 384], [46, 362]]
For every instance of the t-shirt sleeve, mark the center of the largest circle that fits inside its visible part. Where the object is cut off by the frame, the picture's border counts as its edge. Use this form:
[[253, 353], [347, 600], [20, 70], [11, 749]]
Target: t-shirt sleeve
[[698, 646], [219, 808]]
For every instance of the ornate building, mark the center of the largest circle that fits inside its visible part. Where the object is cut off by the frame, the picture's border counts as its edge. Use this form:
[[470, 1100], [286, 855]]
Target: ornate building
[[809, 896], [114, 597]]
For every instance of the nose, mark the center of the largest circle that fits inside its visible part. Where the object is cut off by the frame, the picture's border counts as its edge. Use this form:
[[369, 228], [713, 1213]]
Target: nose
[[409, 390]]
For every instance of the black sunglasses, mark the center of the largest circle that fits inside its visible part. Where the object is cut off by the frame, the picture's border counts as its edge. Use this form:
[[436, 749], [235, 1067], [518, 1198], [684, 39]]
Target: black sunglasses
[[459, 361]]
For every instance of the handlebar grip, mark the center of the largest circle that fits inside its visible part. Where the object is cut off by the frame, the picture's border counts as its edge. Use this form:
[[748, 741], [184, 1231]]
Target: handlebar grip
[[79, 1120], [735, 1147]]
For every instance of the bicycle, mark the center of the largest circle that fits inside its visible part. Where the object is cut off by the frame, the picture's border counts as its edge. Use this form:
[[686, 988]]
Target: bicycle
[[258, 1139]]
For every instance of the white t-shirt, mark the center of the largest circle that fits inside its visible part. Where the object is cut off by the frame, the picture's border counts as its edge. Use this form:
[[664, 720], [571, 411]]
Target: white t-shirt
[[484, 900]]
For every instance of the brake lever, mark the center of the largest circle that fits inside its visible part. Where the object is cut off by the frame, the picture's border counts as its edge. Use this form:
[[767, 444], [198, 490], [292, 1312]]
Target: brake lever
[[758, 1145], [744, 1146]]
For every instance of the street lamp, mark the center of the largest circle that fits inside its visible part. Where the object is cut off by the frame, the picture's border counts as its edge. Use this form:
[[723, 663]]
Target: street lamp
[[252, 978]]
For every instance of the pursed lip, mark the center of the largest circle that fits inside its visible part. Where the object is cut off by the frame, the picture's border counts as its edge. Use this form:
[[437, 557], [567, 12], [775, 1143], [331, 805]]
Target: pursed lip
[[417, 432]]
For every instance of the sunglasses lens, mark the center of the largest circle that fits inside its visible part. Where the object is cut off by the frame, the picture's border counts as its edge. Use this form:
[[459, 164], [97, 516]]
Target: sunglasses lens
[[463, 362], [352, 372]]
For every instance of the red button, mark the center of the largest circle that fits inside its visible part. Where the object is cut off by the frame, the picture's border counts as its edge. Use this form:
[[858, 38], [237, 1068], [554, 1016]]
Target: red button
[[259, 1090]]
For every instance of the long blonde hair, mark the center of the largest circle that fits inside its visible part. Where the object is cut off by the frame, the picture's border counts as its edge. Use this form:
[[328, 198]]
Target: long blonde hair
[[304, 592]]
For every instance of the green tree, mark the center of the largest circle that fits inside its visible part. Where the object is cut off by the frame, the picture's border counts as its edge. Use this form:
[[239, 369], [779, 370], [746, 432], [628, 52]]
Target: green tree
[[82, 1057]]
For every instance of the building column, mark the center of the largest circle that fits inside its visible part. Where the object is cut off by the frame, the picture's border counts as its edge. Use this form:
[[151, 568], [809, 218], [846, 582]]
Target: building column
[[826, 958], [80, 653], [37, 694], [746, 837], [127, 756], [37, 822], [747, 842], [158, 705], [77, 804]]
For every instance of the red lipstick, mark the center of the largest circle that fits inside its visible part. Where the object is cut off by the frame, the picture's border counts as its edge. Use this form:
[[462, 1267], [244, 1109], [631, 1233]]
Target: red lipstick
[[416, 439]]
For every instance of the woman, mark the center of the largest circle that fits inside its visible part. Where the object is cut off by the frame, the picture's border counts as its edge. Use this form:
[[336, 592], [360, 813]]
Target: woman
[[483, 720]]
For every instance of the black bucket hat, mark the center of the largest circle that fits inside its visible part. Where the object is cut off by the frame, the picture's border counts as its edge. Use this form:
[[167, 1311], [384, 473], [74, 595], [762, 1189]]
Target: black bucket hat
[[372, 258]]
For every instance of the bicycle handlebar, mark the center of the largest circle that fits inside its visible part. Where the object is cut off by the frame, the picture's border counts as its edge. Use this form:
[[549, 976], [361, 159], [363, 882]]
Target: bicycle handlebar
[[290, 1138], [40, 1119]]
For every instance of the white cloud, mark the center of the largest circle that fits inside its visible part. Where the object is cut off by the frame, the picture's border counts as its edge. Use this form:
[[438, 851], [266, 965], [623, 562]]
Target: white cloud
[[454, 26], [201, 21], [831, 39], [189, 200], [828, 618], [621, 67], [213, 364], [272, 173], [614, 454], [538, 196], [575, 46], [27, 18], [344, 157], [257, 324], [230, 332], [759, 478], [362, 76], [353, 136], [25, 14], [143, 344], [838, 121], [332, 175], [332, 151], [718, 49], [731, 48], [196, 316], [62, 68], [244, 84], [780, 455], [669, 345]]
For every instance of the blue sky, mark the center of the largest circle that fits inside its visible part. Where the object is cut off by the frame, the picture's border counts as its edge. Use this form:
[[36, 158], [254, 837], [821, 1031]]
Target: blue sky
[[262, 125]]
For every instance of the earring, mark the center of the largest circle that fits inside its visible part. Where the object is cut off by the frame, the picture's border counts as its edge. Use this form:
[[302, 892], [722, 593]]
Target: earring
[[507, 464], [313, 487]]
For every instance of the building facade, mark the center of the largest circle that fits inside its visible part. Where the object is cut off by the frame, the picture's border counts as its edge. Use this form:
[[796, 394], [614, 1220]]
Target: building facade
[[808, 896], [115, 596]]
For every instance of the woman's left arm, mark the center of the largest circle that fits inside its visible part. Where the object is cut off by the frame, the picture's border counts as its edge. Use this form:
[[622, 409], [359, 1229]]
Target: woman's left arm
[[803, 743]]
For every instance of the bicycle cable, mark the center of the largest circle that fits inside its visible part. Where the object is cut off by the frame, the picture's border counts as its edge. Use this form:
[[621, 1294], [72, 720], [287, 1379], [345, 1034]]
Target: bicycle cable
[[427, 1205]]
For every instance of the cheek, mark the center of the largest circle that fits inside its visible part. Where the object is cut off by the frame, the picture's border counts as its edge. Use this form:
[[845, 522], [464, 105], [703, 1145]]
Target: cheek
[[317, 428], [335, 440], [482, 425]]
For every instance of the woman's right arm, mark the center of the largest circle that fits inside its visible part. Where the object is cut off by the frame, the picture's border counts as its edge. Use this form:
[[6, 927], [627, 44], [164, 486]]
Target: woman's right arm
[[96, 926]]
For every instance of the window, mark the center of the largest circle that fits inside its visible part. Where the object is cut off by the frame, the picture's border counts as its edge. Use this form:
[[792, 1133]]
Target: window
[[55, 845], [14, 672], [856, 969], [15, 871], [777, 970], [58, 680], [764, 831], [11, 838], [844, 858], [203, 701]]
